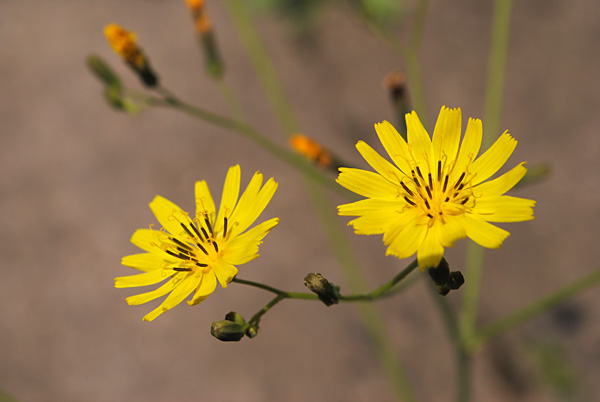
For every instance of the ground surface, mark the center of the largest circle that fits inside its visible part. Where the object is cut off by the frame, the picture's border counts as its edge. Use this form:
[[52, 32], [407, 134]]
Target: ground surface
[[76, 178]]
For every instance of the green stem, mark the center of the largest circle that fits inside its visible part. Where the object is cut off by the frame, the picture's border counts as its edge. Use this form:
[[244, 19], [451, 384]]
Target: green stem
[[493, 103], [252, 134], [463, 358], [342, 250], [496, 70], [517, 318], [256, 317], [384, 290]]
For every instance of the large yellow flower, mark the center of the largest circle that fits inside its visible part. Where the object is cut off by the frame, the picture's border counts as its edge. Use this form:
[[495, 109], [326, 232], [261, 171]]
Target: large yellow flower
[[192, 254], [436, 193]]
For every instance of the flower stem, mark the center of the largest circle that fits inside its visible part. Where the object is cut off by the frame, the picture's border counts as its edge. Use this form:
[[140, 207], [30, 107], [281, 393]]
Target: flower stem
[[463, 357], [256, 317], [260, 139], [343, 252], [502, 325]]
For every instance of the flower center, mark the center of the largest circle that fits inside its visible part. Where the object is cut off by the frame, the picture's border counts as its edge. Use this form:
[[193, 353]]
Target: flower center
[[200, 250], [435, 194]]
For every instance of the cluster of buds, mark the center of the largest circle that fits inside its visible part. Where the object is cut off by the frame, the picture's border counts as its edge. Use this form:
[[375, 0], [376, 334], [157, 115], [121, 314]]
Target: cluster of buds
[[444, 279], [124, 43], [206, 37], [327, 292]]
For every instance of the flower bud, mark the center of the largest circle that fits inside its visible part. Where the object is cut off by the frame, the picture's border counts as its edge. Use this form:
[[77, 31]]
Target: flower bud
[[456, 280], [101, 70], [251, 331], [441, 273], [235, 317], [212, 58], [124, 43], [327, 292], [227, 331]]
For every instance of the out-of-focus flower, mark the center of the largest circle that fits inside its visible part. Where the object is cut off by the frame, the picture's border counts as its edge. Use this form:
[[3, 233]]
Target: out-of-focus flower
[[193, 253], [438, 192], [124, 43]]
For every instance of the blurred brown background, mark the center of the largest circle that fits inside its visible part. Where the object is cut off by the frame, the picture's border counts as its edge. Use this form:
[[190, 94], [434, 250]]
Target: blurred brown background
[[76, 178]]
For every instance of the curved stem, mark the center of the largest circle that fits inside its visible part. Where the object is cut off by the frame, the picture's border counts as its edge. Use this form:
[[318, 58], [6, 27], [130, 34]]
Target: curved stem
[[256, 317], [384, 290]]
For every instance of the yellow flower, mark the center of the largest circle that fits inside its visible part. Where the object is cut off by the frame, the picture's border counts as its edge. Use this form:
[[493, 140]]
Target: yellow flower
[[436, 193], [192, 254]]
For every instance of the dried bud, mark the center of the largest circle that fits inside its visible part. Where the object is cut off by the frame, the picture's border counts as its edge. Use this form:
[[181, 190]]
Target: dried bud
[[327, 292], [124, 43], [441, 273], [456, 280]]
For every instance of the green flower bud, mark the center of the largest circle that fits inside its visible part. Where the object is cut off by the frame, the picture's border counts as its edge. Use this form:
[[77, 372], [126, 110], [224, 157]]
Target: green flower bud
[[251, 331], [235, 317], [101, 70], [227, 331], [327, 292]]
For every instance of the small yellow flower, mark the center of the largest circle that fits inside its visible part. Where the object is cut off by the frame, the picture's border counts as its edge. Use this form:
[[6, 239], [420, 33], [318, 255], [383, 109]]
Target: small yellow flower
[[436, 193], [192, 254]]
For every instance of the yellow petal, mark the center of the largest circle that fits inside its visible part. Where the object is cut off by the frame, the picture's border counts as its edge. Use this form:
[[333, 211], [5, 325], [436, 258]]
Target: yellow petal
[[368, 205], [147, 239], [483, 233], [375, 222], [204, 200], [501, 184], [493, 159], [365, 183], [394, 144], [469, 148], [156, 293], [430, 252], [251, 205], [231, 191], [208, 284], [176, 297], [170, 216], [419, 141], [504, 209], [451, 231], [408, 240], [244, 248], [225, 272], [382, 166], [409, 217], [144, 261], [145, 279], [446, 135]]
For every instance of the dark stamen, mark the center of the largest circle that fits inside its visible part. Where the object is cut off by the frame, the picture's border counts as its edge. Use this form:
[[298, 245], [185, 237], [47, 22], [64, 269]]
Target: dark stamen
[[204, 231], [427, 204], [415, 178], [445, 184], [187, 230], [447, 199], [208, 224], [225, 227], [462, 176], [196, 230], [202, 248], [201, 265], [182, 244], [439, 170], [430, 216], [182, 269], [176, 255], [420, 174], [403, 186], [409, 201], [430, 181], [428, 192], [461, 186], [215, 246], [184, 251], [463, 202]]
